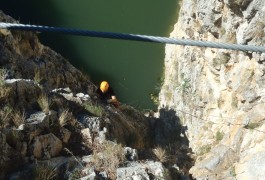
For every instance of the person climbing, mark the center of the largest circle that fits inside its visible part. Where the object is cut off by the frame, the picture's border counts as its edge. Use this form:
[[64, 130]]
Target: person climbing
[[106, 94]]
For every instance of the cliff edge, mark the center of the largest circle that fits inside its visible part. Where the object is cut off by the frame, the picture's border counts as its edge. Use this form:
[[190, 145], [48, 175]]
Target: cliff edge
[[219, 94]]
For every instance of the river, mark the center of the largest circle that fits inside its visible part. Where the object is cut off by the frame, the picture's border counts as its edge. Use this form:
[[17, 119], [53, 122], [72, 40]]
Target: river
[[132, 68]]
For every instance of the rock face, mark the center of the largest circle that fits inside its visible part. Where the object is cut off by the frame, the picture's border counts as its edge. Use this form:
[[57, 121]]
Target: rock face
[[30, 60], [52, 126], [219, 94], [47, 146], [147, 170]]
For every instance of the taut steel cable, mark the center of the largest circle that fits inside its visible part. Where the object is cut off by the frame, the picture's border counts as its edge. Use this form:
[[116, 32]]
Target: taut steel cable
[[133, 37]]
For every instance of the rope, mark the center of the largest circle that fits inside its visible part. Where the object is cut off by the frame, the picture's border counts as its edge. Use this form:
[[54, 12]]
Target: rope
[[133, 37]]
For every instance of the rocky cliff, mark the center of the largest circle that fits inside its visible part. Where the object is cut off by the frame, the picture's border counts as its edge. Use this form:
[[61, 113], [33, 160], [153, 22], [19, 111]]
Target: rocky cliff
[[52, 125], [219, 94]]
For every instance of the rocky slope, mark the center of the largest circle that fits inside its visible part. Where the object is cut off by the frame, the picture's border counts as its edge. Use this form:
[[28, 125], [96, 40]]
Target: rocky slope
[[52, 125], [219, 94]]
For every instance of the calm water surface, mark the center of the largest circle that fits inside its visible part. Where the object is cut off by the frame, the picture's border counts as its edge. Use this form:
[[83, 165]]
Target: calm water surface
[[132, 68]]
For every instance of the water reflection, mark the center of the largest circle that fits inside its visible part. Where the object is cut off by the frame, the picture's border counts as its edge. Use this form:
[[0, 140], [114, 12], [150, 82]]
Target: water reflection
[[131, 67]]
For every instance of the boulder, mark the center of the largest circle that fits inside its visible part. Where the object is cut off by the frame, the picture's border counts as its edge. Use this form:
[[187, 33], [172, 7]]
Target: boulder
[[93, 123], [141, 171], [86, 135], [25, 93], [8, 155], [38, 122], [131, 154], [251, 167], [46, 146], [66, 134]]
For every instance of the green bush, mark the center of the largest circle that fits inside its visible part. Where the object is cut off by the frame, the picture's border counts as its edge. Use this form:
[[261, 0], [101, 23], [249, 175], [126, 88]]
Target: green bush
[[95, 109], [204, 149], [252, 125], [219, 136], [233, 171]]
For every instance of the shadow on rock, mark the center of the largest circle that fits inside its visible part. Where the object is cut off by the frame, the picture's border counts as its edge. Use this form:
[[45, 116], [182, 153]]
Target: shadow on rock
[[169, 134]]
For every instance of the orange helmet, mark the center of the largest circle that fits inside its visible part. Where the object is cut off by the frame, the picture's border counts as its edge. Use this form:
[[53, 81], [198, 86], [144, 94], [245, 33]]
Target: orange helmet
[[104, 86]]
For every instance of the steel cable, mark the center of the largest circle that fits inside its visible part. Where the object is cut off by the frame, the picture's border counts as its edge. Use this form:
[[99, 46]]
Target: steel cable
[[133, 37]]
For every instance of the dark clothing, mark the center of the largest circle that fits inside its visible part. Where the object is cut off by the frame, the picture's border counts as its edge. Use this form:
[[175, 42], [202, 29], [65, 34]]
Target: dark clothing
[[104, 97]]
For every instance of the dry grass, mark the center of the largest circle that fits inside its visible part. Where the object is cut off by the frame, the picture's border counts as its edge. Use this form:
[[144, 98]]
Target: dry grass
[[18, 118], [64, 117], [44, 103], [37, 77], [76, 159], [43, 172], [160, 154], [3, 74], [4, 91], [107, 157], [5, 116]]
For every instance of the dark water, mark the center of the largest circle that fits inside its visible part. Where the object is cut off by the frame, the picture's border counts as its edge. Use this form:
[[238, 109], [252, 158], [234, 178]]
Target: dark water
[[132, 68]]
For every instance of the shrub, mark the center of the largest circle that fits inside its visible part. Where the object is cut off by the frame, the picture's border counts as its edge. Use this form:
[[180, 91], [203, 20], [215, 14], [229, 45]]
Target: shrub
[[95, 109], [252, 125], [185, 85], [204, 149], [154, 98], [233, 171], [107, 157], [219, 136], [223, 59]]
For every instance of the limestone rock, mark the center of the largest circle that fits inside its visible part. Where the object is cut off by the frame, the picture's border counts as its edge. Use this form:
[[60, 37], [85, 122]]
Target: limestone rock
[[93, 123], [26, 57], [218, 94], [66, 134], [141, 171], [91, 176], [131, 154], [37, 122], [8, 155], [46, 146], [68, 94], [86, 135], [25, 92], [39, 119], [252, 167]]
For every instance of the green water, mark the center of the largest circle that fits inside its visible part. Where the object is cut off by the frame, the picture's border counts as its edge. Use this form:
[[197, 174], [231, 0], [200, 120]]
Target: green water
[[132, 68]]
